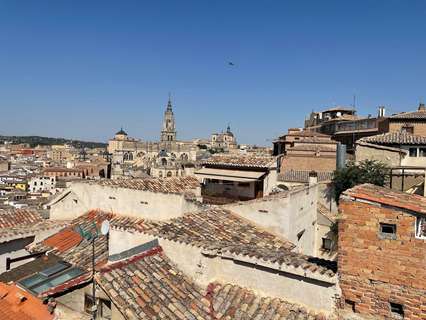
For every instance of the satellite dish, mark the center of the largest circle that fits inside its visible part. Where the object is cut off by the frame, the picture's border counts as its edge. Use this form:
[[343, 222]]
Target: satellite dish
[[105, 227]]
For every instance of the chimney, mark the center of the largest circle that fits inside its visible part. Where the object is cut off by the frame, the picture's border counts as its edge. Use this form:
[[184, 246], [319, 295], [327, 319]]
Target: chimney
[[422, 107], [313, 178], [382, 111]]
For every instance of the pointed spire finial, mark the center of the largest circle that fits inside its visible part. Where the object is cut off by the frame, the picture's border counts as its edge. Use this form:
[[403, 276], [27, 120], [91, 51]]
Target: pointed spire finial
[[169, 103]]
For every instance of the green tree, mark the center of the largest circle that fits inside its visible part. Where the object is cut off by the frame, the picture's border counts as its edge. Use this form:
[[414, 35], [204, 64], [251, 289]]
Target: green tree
[[366, 171]]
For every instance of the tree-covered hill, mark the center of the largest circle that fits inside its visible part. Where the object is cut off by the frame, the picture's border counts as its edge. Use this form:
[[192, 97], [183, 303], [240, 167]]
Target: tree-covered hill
[[36, 140]]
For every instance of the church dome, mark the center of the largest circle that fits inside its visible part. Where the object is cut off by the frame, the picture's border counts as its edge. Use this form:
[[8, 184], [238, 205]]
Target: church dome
[[121, 132]]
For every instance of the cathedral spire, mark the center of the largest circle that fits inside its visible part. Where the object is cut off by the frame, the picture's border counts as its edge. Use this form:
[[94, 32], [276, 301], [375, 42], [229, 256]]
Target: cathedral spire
[[169, 103]]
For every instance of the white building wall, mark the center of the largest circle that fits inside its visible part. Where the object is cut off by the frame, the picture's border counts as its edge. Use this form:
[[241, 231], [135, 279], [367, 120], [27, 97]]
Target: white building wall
[[135, 203], [287, 216]]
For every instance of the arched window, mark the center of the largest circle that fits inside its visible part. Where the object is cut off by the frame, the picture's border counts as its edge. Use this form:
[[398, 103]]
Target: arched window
[[164, 162], [184, 157], [160, 174], [169, 174]]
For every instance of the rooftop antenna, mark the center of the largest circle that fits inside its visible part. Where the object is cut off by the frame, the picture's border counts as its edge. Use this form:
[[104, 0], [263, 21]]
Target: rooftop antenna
[[353, 131]]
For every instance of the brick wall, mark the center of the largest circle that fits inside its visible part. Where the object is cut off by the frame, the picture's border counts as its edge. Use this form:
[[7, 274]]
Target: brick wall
[[374, 271], [419, 127], [308, 163]]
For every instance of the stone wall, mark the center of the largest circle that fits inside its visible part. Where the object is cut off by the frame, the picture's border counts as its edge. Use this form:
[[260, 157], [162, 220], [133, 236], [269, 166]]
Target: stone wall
[[419, 127], [317, 163], [390, 158], [376, 271]]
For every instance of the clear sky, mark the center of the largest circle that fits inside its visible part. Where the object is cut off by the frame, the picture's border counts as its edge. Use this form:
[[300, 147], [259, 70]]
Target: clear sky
[[82, 69]]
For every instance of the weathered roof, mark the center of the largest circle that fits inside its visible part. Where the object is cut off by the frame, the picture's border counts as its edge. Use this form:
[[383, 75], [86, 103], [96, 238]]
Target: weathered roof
[[149, 285], [241, 161], [18, 217], [419, 114], [71, 247], [302, 176], [18, 304], [7, 234], [163, 185], [223, 233], [390, 197], [392, 138]]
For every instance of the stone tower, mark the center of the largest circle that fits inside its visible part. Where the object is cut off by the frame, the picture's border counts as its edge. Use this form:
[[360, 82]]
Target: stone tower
[[169, 130]]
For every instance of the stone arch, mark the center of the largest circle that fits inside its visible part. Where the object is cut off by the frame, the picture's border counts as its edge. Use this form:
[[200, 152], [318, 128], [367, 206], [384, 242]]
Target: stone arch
[[160, 174], [184, 157], [164, 162], [169, 174]]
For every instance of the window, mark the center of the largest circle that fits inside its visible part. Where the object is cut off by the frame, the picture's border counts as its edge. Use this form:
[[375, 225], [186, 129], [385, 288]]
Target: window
[[397, 310], [387, 231], [407, 129], [421, 228], [422, 152], [413, 152], [350, 305], [327, 244], [244, 184]]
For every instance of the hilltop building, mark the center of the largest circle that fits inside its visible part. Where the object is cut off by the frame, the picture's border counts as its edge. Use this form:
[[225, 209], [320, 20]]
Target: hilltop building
[[129, 151], [224, 140]]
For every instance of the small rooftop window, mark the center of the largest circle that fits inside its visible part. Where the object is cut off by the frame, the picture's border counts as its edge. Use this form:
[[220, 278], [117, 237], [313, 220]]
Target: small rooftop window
[[50, 277], [327, 244]]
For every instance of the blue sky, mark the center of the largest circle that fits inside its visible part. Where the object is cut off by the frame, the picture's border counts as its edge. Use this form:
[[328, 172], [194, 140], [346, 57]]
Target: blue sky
[[82, 69]]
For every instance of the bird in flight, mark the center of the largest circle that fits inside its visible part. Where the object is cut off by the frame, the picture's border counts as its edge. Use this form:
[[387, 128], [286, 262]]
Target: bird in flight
[[231, 63]]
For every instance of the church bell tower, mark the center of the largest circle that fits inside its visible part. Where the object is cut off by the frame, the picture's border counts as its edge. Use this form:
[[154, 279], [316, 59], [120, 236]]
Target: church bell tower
[[169, 130]]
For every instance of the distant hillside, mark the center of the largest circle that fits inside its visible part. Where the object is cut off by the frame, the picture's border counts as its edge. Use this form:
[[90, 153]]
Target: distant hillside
[[45, 141]]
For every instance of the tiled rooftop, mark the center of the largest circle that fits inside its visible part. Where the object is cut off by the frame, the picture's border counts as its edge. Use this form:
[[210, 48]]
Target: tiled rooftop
[[30, 229], [71, 247], [241, 161], [17, 304], [388, 197], [302, 176], [224, 233], [163, 185], [418, 114], [18, 217], [149, 285], [397, 138]]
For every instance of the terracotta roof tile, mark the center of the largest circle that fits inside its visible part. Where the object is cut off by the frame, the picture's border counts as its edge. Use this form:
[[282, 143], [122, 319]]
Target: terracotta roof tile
[[388, 197], [69, 245], [392, 138], [63, 240], [163, 185], [17, 304], [224, 233], [25, 230], [241, 161], [149, 285], [18, 217]]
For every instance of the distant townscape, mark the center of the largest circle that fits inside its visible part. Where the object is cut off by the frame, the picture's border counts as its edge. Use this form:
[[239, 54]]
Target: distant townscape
[[328, 222]]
